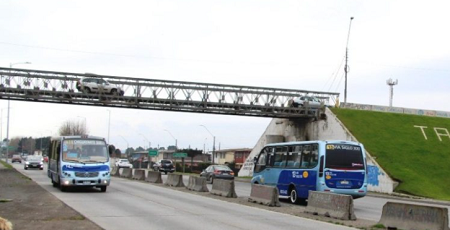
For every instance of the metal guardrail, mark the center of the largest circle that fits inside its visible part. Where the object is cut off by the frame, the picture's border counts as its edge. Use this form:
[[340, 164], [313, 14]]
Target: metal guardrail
[[140, 93]]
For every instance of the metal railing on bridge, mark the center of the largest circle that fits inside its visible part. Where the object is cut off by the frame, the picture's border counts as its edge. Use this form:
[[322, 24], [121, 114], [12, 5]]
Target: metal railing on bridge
[[140, 93]]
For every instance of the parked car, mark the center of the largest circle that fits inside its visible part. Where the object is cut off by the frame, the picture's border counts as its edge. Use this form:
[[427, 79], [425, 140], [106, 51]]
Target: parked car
[[98, 85], [16, 158], [123, 163], [164, 166], [34, 162], [217, 172], [306, 101]]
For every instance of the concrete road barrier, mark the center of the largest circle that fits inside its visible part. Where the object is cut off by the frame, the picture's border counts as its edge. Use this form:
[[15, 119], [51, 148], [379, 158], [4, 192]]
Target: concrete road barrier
[[115, 171], [331, 205], [197, 184], [154, 177], [175, 180], [412, 216], [223, 188], [127, 173], [263, 194], [139, 174]]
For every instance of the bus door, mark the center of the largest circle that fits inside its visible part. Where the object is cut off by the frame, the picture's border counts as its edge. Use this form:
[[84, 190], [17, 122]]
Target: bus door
[[263, 170], [277, 162], [306, 176]]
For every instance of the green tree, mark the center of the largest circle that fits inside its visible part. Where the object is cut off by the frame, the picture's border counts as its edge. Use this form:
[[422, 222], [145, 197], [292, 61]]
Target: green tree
[[191, 153]]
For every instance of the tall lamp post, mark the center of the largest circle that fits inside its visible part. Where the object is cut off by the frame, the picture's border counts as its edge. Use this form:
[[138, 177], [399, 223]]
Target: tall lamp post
[[7, 123], [149, 144], [128, 145], [214, 143], [346, 60], [176, 144]]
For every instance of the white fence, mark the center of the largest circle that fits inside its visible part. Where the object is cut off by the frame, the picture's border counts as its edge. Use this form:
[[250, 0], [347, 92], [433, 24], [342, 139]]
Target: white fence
[[379, 108]]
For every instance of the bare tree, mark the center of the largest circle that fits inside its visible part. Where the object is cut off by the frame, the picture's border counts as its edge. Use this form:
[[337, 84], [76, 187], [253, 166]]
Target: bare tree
[[72, 128]]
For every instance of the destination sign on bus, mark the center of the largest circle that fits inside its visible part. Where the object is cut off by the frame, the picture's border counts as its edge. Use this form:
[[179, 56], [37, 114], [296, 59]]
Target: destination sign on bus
[[343, 147]]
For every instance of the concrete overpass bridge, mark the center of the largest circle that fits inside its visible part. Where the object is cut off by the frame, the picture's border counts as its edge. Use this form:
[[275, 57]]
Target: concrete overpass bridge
[[152, 94]]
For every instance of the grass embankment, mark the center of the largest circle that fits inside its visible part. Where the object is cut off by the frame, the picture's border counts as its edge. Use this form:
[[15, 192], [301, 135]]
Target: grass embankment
[[6, 165], [422, 166]]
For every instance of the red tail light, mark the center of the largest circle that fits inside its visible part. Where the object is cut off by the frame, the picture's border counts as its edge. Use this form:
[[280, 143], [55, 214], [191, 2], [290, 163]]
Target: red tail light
[[232, 173]]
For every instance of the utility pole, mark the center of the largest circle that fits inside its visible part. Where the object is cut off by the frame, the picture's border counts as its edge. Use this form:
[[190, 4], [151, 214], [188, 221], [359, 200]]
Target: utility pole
[[391, 84], [7, 123], [346, 61], [214, 143]]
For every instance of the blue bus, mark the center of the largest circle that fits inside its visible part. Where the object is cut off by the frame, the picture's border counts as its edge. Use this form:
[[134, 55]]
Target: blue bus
[[79, 161], [296, 168]]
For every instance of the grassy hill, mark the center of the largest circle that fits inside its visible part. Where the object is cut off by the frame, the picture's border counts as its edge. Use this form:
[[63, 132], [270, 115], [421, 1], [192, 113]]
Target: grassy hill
[[422, 166]]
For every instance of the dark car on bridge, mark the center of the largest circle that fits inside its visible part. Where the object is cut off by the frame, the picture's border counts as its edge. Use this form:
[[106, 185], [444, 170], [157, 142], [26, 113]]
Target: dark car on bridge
[[217, 172]]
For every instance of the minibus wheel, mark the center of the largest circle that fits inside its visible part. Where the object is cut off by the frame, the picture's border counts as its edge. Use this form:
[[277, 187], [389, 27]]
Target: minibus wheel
[[61, 186], [293, 196]]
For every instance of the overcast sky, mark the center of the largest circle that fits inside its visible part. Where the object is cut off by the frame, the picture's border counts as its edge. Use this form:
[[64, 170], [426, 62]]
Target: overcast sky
[[268, 43]]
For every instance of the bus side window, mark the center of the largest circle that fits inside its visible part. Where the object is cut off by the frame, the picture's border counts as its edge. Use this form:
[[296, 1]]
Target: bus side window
[[314, 156], [53, 150], [306, 156], [58, 150], [280, 157], [293, 157]]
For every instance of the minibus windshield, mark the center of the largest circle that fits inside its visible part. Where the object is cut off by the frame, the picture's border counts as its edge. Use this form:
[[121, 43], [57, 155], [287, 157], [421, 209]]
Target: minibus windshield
[[84, 151], [344, 156]]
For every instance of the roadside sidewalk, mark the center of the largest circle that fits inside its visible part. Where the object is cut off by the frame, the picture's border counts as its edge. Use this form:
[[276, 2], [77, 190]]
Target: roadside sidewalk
[[29, 206]]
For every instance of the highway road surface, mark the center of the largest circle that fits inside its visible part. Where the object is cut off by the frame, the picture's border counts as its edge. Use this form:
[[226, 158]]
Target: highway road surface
[[129, 204]]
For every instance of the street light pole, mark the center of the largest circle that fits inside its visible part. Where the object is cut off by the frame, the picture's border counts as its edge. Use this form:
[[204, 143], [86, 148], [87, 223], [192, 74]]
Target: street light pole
[[7, 123], [128, 145], [1, 125], [176, 144], [145, 139], [214, 143], [346, 60]]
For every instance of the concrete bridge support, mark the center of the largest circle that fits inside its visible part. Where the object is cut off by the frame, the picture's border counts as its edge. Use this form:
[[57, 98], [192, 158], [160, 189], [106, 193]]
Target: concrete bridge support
[[330, 128]]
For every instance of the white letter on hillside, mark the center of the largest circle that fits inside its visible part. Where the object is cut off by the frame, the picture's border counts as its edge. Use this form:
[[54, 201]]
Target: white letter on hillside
[[445, 134], [423, 132]]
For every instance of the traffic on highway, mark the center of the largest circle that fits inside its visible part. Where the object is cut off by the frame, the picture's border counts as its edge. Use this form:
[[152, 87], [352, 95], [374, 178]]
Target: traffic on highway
[[132, 204]]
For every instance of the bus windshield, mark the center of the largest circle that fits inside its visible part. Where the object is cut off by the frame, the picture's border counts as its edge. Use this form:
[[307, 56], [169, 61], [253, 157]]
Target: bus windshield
[[344, 156], [84, 151]]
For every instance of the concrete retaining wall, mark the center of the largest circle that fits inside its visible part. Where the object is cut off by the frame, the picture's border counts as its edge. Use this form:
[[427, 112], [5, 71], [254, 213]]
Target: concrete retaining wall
[[139, 174], [154, 177], [329, 129], [127, 173], [410, 216], [175, 180], [223, 188], [266, 195], [331, 205], [197, 184]]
